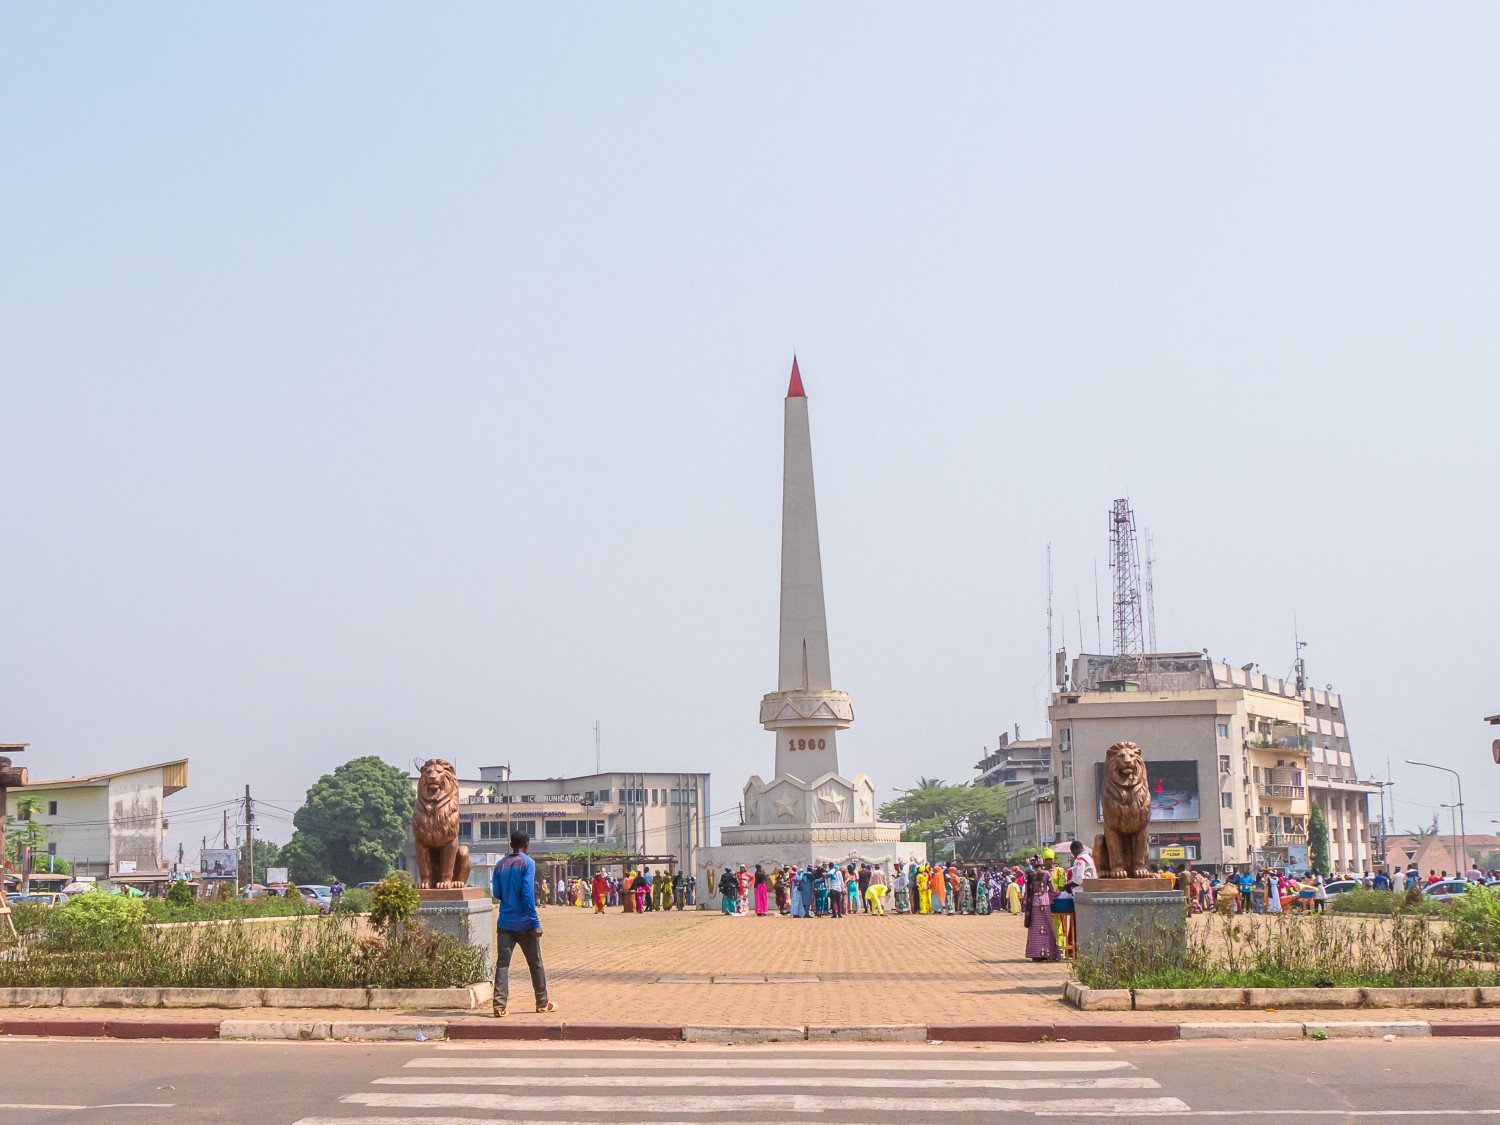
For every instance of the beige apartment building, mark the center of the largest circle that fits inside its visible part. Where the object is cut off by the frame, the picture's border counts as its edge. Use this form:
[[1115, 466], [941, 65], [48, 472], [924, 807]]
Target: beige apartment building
[[663, 817], [1235, 760]]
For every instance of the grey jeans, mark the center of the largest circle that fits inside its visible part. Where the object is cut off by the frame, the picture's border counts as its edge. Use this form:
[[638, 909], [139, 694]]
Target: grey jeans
[[531, 947]]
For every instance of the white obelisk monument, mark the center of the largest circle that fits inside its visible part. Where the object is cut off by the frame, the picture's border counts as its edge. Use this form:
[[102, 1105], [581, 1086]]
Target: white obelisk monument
[[808, 812]]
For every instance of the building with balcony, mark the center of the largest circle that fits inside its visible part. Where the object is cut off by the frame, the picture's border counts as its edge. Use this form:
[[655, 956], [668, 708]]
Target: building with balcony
[[663, 817], [1230, 756], [1015, 760]]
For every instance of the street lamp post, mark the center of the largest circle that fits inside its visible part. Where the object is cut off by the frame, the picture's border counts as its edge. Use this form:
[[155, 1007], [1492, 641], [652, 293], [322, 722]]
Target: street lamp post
[[1462, 826]]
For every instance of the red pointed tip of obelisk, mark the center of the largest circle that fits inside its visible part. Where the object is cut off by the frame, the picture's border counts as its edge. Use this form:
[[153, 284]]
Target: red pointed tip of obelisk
[[794, 389]]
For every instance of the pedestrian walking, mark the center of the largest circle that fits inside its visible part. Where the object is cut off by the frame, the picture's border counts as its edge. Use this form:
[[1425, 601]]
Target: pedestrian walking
[[513, 885]]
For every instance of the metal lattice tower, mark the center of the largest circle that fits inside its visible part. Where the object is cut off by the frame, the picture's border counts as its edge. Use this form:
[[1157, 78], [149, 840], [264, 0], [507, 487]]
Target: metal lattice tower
[[1125, 564]]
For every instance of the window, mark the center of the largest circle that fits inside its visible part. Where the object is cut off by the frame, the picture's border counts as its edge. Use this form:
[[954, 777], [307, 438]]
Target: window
[[490, 830], [51, 808], [1229, 837], [1257, 775], [1223, 730], [1226, 800], [1067, 804], [1224, 766], [465, 829]]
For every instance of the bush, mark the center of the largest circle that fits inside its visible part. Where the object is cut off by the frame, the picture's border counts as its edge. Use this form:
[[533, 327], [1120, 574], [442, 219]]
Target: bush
[[354, 901], [97, 918], [180, 894], [267, 906], [1383, 902], [1289, 951], [1476, 921], [395, 902], [317, 953]]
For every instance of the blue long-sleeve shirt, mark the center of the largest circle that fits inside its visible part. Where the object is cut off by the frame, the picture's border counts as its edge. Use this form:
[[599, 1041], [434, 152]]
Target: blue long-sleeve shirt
[[513, 884]]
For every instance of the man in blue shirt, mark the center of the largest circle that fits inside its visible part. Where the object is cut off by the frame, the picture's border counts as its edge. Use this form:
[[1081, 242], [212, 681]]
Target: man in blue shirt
[[513, 885]]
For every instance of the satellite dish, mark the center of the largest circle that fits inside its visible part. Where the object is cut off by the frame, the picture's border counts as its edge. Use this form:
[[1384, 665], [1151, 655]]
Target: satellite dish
[[1495, 750]]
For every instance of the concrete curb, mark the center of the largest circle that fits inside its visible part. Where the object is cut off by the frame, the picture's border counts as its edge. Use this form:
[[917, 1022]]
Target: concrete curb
[[466, 998], [1272, 999], [399, 1030]]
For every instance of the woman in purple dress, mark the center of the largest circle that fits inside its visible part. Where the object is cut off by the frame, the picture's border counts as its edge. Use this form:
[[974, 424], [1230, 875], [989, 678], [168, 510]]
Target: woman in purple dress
[[1041, 940]]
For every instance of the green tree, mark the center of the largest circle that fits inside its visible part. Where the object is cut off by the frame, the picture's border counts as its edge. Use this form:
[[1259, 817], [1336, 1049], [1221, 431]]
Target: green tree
[[972, 815], [1317, 842], [24, 831], [352, 824]]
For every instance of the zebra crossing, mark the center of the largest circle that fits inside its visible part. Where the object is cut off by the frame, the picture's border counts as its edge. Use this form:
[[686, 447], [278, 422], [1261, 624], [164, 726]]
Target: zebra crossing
[[465, 1083]]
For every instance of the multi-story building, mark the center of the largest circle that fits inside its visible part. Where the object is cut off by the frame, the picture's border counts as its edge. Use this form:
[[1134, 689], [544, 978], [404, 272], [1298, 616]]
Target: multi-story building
[[108, 825], [1030, 823], [1015, 760], [1231, 762], [662, 817]]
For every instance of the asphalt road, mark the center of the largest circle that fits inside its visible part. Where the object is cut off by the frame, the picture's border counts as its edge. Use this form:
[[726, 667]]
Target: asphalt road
[[450, 1084]]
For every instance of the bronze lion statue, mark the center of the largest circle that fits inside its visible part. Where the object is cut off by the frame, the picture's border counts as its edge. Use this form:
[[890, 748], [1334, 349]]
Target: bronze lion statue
[[441, 862], [1120, 853]]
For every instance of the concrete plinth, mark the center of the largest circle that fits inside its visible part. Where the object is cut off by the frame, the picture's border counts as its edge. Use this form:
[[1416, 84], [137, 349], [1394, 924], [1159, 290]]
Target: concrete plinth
[[1107, 914], [467, 913]]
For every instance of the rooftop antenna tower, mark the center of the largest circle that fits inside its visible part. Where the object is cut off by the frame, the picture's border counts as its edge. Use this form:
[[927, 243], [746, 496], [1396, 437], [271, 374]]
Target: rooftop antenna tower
[[1150, 593], [598, 761], [1049, 604], [1125, 563], [1098, 627]]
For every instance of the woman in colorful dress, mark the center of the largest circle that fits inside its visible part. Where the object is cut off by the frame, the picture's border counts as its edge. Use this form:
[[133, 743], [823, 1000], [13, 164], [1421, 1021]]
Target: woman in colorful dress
[[1041, 939], [924, 892], [937, 887], [903, 895], [851, 886], [762, 892]]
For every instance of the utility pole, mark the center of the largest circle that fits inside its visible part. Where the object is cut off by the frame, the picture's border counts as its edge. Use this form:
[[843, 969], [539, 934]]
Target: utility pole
[[226, 828], [598, 760], [249, 837]]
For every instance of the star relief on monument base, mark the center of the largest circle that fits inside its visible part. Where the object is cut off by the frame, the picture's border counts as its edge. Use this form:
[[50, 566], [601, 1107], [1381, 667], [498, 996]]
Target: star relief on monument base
[[786, 805], [833, 805]]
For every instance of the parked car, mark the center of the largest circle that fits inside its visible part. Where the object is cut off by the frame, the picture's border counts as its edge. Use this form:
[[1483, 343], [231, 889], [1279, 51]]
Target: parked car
[[253, 890], [317, 894], [368, 886], [1447, 890], [38, 898], [1342, 886]]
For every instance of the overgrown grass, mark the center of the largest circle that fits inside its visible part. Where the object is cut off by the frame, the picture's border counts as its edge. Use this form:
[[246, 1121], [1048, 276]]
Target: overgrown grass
[[316, 953], [213, 910], [1384, 902], [1288, 951]]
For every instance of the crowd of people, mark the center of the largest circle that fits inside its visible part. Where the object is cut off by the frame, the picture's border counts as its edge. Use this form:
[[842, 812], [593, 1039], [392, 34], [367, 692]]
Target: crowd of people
[[637, 891], [1039, 890]]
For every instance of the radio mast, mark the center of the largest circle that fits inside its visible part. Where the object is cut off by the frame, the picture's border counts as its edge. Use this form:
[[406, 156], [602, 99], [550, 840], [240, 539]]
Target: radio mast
[[1150, 593], [1125, 564]]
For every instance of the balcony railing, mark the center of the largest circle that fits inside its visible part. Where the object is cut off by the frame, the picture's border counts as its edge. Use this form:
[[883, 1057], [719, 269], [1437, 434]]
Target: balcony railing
[[1283, 839], [1267, 742], [1286, 792]]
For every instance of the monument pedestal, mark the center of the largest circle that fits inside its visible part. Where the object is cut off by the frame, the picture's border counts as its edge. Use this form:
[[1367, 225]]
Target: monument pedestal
[[1144, 910], [467, 913]]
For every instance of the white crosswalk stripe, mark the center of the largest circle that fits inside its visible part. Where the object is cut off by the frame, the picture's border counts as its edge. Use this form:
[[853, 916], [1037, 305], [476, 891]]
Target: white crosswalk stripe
[[540, 1085]]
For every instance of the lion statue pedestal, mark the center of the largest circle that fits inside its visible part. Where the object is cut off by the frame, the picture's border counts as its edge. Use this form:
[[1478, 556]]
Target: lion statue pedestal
[[1127, 900], [448, 903]]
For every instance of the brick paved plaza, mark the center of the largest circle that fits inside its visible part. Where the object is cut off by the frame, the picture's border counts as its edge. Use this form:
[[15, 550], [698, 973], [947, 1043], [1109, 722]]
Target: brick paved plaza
[[706, 968]]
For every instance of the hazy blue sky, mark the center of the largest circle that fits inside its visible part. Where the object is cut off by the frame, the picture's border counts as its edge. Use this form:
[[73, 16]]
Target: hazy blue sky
[[407, 379]]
